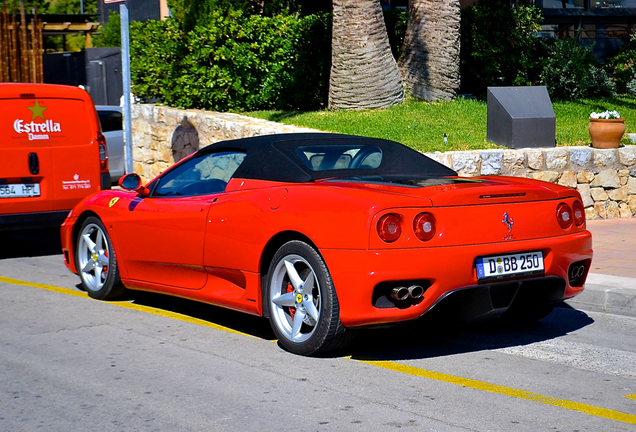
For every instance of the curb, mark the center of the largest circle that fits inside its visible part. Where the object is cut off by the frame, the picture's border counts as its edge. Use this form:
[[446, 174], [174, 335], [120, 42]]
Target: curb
[[609, 294]]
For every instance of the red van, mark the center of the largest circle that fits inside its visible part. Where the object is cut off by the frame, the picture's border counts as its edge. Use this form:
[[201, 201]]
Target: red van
[[52, 154]]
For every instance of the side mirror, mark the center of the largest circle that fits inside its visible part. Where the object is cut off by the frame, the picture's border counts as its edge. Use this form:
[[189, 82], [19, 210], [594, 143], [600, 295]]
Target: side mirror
[[132, 182]]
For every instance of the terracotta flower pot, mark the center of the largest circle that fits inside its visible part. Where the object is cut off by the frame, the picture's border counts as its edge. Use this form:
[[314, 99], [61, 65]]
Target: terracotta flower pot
[[606, 133]]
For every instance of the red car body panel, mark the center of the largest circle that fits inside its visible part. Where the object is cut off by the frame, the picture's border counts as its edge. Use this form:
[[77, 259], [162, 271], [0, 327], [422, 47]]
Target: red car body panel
[[215, 248]]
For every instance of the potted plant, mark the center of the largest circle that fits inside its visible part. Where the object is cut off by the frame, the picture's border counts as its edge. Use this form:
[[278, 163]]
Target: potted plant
[[606, 129]]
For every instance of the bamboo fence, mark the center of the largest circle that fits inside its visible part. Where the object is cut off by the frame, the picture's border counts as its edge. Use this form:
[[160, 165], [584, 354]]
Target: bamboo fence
[[20, 46]]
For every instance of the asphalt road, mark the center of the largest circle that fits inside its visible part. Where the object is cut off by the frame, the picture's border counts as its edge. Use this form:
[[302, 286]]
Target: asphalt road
[[152, 363]]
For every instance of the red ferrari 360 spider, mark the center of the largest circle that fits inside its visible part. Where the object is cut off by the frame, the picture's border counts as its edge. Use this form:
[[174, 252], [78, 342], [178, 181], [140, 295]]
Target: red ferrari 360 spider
[[323, 233]]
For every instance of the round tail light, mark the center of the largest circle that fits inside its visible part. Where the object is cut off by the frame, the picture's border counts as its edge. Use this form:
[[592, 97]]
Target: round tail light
[[564, 215], [389, 228], [424, 226], [579, 213]]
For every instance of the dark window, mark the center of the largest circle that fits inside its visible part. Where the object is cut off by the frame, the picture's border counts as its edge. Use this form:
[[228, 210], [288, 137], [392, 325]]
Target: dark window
[[200, 175], [110, 120], [559, 4], [612, 4]]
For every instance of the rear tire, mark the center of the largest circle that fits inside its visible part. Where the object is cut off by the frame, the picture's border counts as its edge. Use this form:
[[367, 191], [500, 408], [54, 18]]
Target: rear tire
[[303, 307], [96, 261]]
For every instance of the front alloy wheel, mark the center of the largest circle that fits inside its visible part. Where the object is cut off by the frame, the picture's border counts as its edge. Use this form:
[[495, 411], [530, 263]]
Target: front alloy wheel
[[303, 306], [96, 262]]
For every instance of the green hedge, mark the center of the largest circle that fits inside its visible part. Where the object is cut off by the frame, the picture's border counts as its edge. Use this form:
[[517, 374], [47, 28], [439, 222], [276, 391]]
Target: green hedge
[[192, 13], [234, 62], [623, 66], [156, 48], [499, 45], [570, 72]]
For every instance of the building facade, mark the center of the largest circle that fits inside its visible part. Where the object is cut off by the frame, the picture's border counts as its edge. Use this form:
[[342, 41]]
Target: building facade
[[605, 25]]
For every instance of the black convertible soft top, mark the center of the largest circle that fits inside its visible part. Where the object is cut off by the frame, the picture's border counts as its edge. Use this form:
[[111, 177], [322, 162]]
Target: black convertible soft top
[[276, 158]]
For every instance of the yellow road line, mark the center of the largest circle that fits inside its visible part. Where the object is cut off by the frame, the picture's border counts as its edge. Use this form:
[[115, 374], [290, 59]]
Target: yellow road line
[[46, 287], [393, 366], [127, 305], [507, 391]]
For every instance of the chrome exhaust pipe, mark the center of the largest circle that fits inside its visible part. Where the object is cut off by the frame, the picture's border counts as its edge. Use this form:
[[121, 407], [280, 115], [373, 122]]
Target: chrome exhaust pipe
[[400, 293], [577, 271], [416, 291]]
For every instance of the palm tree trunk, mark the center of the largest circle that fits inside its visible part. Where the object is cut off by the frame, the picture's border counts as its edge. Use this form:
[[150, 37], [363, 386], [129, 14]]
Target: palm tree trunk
[[364, 74], [429, 63]]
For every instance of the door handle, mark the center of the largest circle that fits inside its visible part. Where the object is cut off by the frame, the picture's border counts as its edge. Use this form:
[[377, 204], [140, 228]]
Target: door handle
[[34, 163]]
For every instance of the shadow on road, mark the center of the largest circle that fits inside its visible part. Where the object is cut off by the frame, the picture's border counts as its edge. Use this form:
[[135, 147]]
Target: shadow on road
[[20, 244], [432, 337], [237, 321], [425, 338]]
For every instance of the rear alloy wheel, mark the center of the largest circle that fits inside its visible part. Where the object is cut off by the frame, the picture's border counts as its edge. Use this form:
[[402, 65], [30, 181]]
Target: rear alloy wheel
[[96, 262], [303, 306]]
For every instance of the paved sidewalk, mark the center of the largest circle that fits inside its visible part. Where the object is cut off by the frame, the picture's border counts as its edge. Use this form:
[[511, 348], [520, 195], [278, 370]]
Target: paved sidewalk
[[611, 284]]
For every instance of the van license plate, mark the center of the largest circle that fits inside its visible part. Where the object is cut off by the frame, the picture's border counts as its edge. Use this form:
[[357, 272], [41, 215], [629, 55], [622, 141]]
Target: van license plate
[[19, 190], [510, 265]]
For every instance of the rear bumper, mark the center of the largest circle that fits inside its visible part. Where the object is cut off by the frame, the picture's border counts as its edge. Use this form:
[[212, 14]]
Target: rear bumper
[[32, 221], [445, 271]]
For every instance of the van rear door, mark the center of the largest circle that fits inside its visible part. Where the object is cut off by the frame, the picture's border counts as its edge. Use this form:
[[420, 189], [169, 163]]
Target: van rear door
[[74, 149], [50, 152], [27, 167]]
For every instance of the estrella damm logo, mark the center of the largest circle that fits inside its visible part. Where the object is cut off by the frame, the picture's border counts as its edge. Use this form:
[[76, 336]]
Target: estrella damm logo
[[36, 130]]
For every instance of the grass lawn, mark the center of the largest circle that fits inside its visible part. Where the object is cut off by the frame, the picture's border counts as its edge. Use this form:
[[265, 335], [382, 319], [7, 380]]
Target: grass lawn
[[422, 125]]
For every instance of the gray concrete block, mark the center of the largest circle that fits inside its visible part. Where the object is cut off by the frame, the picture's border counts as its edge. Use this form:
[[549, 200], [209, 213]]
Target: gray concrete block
[[610, 294]]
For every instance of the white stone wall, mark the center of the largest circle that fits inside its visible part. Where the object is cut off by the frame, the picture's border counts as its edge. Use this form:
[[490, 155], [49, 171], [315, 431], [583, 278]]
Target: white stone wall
[[606, 179]]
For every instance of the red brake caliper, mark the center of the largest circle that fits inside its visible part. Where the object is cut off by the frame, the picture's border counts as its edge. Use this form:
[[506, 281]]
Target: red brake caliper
[[292, 310], [106, 255]]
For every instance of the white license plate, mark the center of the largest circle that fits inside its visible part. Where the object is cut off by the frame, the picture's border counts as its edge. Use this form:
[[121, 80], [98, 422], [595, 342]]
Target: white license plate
[[19, 190], [510, 265]]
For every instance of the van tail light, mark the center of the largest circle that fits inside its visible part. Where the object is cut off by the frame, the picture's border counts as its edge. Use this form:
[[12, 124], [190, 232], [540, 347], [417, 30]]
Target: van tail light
[[564, 215], [103, 152], [424, 226], [579, 213], [389, 228]]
